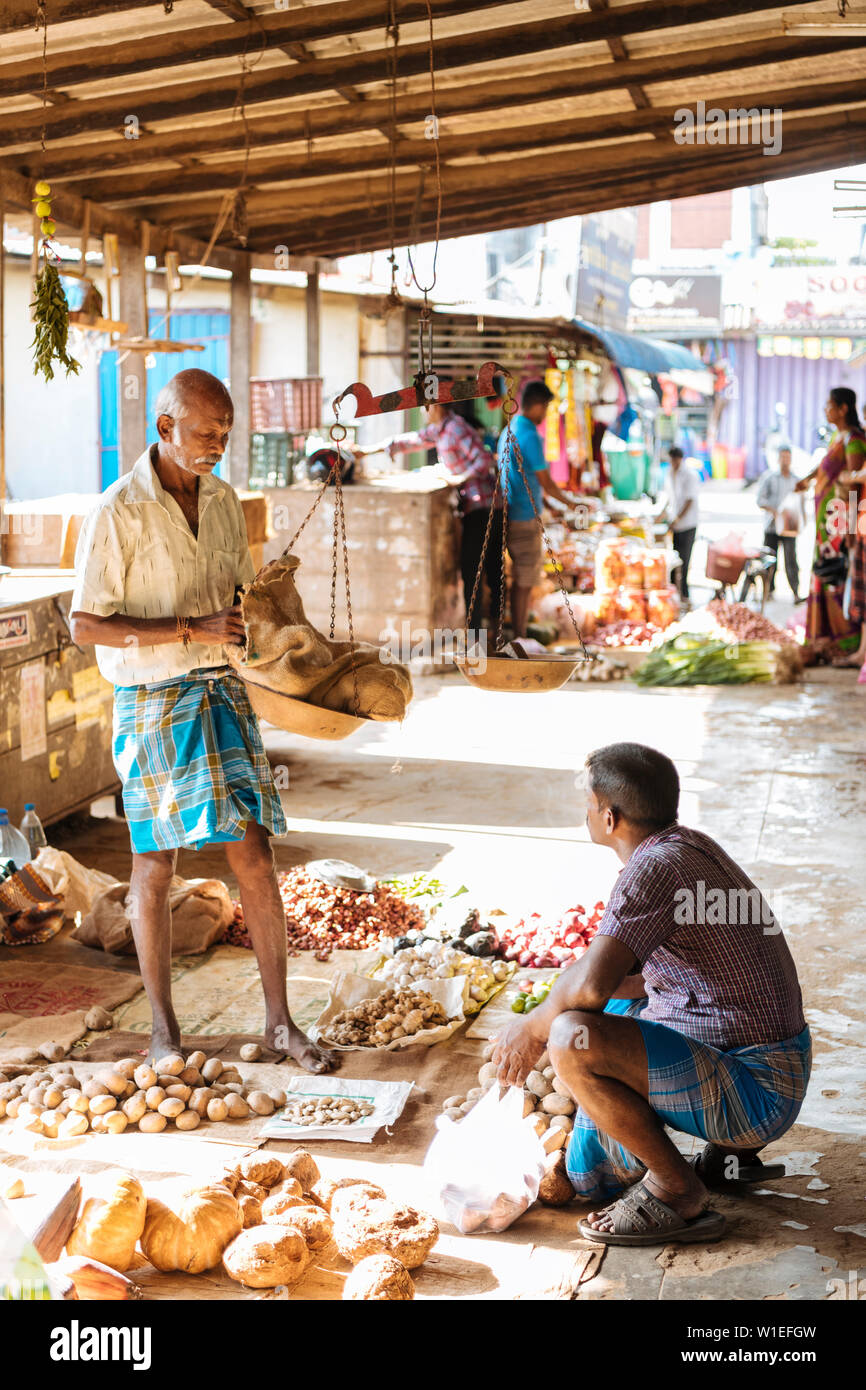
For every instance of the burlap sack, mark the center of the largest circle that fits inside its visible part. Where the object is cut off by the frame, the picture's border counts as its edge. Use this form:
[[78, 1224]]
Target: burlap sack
[[73, 882], [295, 659], [201, 909]]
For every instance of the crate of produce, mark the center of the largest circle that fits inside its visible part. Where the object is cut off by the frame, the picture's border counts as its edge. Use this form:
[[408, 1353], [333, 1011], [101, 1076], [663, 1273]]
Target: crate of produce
[[302, 403], [269, 460], [290, 404], [266, 406]]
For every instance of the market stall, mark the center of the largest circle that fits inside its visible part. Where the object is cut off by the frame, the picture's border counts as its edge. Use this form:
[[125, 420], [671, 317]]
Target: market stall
[[402, 548], [617, 576]]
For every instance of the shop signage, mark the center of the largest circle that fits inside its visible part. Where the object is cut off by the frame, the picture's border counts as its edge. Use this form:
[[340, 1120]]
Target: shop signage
[[607, 247], [806, 295], [675, 303]]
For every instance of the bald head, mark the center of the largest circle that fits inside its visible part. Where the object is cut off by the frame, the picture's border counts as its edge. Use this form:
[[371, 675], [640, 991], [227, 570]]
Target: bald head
[[192, 387], [194, 416]]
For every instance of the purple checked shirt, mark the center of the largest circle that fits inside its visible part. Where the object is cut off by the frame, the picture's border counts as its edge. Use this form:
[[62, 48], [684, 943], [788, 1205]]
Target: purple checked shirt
[[458, 447], [716, 964]]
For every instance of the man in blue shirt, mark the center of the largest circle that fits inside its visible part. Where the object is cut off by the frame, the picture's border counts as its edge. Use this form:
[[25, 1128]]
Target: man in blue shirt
[[524, 533]]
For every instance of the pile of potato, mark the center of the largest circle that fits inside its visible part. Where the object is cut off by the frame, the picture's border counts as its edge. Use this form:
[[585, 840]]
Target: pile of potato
[[67, 1100], [547, 1106], [383, 1019]]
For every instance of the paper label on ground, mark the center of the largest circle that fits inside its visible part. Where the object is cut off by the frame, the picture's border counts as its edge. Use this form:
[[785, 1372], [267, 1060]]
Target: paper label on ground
[[34, 736], [387, 1098]]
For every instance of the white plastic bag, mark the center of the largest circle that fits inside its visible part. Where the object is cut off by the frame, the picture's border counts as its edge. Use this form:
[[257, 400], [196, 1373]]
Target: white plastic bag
[[487, 1167]]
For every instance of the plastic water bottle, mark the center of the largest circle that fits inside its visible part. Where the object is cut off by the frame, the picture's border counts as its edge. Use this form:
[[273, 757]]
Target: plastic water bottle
[[32, 830], [13, 845]]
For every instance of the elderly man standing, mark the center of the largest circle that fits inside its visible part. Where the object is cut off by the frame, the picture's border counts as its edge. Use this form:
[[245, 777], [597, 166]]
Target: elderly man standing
[[158, 564]]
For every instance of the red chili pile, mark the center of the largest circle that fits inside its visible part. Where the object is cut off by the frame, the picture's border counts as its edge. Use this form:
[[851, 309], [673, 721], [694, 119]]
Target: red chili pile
[[537, 947], [323, 919]]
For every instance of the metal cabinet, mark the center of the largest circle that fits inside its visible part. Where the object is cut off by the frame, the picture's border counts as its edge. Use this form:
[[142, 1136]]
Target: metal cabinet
[[55, 707]]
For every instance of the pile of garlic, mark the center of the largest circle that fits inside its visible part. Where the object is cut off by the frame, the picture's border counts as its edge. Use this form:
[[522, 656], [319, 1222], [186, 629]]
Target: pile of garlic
[[436, 960]]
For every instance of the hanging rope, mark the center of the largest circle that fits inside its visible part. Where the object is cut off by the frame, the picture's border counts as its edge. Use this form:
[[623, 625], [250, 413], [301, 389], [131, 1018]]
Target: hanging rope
[[42, 23], [427, 289], [392, 31], [240, 224], [234, 204]]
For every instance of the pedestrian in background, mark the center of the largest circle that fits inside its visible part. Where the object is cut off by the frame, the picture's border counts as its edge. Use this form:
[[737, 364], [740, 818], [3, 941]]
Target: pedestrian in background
[[680, 509], [783, 517], [826, 615]]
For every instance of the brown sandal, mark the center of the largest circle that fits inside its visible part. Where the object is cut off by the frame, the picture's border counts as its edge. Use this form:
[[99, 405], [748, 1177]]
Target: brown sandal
[[641, 1218]]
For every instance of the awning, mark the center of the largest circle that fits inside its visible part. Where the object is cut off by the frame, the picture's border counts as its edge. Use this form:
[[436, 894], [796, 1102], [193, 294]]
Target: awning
[[652, 355]]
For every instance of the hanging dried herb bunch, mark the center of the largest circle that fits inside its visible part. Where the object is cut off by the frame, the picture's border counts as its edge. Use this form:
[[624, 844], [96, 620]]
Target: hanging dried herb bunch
[[50, 308], [51, 324]]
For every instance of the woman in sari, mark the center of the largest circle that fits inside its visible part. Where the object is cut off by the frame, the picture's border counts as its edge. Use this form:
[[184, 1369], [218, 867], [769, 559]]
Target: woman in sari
[[845, 457]]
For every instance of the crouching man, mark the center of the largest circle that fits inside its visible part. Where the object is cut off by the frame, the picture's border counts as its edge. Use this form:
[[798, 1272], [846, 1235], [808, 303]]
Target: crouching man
[[685, 1011]]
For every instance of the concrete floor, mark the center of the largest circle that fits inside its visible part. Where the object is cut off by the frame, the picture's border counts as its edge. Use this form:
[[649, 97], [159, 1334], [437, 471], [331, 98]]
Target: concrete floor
[[483, 789]]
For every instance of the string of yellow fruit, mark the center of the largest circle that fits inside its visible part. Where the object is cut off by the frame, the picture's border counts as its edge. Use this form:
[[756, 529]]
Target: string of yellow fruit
[[49, 305]]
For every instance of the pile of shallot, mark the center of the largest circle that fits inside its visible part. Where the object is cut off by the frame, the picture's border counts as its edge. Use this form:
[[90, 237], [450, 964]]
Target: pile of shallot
[[323, 919], [738, 621]]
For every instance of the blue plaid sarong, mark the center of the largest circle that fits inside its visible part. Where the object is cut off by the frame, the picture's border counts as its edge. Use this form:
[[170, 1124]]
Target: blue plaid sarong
[[743, 1099], [190, 756]]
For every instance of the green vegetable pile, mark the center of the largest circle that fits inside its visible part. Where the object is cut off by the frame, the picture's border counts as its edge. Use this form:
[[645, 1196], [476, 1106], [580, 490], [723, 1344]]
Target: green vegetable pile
[[51, 322], [414, 886], [696, 660], [525, 1002]]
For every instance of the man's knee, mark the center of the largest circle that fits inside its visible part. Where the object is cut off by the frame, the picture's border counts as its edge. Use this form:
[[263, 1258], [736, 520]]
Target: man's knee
[[154, 870], [571, 1036], [253, 856]]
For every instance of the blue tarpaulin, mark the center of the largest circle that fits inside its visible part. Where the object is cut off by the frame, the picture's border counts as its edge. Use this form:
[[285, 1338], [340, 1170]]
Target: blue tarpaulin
[[652, 355]]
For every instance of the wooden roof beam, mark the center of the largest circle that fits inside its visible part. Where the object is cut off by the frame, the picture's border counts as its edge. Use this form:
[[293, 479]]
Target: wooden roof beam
[[16, 15], [68, 210], [619, 51], [527, 173], [148, 189], [516, 41], [93, 159], [349, 236], [290, 30]]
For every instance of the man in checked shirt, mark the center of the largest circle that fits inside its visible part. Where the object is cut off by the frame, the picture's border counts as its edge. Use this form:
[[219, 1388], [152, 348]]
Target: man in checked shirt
[[684, 1012], [468, 467]]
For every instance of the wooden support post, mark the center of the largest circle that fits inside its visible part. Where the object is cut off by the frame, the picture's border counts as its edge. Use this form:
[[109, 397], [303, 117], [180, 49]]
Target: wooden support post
[[239, 371], [132, 386], [2, 359], [314, 309]]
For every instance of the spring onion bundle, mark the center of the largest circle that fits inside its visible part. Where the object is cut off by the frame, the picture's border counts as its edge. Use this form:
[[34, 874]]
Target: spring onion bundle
[[692, 659]]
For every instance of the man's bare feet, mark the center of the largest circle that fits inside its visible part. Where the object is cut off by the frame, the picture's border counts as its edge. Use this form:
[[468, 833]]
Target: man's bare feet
[[690, 1202], [164, 1039], [288, 1039]]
